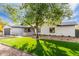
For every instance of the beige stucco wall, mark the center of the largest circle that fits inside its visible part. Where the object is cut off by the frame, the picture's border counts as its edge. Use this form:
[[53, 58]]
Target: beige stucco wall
[[59, 30]]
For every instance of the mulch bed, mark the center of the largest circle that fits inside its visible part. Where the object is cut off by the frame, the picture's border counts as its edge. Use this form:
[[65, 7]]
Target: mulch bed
[[60, 38]]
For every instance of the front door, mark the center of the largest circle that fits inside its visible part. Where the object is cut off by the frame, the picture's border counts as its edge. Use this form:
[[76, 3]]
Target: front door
[[7, 31]]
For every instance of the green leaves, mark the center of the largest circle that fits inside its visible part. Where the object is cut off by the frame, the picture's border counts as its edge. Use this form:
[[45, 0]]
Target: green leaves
[[52, 13]]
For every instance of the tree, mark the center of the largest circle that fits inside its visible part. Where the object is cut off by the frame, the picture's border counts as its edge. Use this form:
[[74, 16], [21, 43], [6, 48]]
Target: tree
[[36, 14], [2, 24]]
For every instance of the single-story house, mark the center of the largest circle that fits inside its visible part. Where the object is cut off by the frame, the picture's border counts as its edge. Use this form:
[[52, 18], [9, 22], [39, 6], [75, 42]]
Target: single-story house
[[65, 29], [17, 30]]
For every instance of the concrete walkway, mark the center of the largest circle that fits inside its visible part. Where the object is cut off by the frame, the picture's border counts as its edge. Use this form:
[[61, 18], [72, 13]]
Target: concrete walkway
[[9, 51]]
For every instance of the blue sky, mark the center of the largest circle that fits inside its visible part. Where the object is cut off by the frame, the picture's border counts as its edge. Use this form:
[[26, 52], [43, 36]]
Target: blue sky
[[76, 13], [74, 7], [5, 17]]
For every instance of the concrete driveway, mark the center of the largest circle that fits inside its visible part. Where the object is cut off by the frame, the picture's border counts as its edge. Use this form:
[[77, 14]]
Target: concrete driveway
[[9, 51]]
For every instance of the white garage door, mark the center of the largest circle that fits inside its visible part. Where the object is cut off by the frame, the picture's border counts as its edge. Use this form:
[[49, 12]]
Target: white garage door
[[17, 31]]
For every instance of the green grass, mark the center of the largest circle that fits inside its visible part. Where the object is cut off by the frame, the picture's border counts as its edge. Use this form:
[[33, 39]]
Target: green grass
[[43, 47]]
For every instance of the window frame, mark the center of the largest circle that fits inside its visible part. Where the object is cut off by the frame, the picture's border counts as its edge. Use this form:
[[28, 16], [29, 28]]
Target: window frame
[[27, 29], [52, 29]]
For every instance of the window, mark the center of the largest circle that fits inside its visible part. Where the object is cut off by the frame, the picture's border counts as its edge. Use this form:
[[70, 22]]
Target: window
[[52, 30], [27, 30]]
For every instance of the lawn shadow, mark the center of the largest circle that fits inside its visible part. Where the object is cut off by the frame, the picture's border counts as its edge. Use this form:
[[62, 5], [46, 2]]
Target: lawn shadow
[[38, 50], [54, 50], [41, 51], [23, 47], [70, 45]]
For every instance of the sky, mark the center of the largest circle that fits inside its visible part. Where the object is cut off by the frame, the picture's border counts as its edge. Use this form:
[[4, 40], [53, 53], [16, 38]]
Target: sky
[[76, 12], [75, 15], [74, 7], [5, 17]]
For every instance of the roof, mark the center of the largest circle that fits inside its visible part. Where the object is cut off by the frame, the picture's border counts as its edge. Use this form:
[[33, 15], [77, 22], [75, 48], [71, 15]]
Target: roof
[[71, 23], [7, 27], [16, 26], [20, 26]]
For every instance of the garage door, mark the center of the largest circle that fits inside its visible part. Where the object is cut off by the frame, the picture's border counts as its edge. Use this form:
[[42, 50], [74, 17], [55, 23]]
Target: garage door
[[7, 31]]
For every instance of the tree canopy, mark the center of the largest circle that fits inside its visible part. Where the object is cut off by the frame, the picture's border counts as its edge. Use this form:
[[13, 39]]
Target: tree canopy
[[47, 12], [52, 13]]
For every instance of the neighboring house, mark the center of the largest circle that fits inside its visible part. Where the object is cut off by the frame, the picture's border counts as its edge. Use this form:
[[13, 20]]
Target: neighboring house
[[64, 29]]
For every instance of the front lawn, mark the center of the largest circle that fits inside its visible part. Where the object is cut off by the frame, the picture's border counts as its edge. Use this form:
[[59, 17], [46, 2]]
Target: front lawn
[[43, 47]]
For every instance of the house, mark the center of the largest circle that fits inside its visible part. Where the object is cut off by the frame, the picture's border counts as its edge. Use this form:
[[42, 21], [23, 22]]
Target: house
[[64, 29], [17, 30]]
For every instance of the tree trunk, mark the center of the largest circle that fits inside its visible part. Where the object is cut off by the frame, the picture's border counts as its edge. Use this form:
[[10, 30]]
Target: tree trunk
[[37, 35]]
